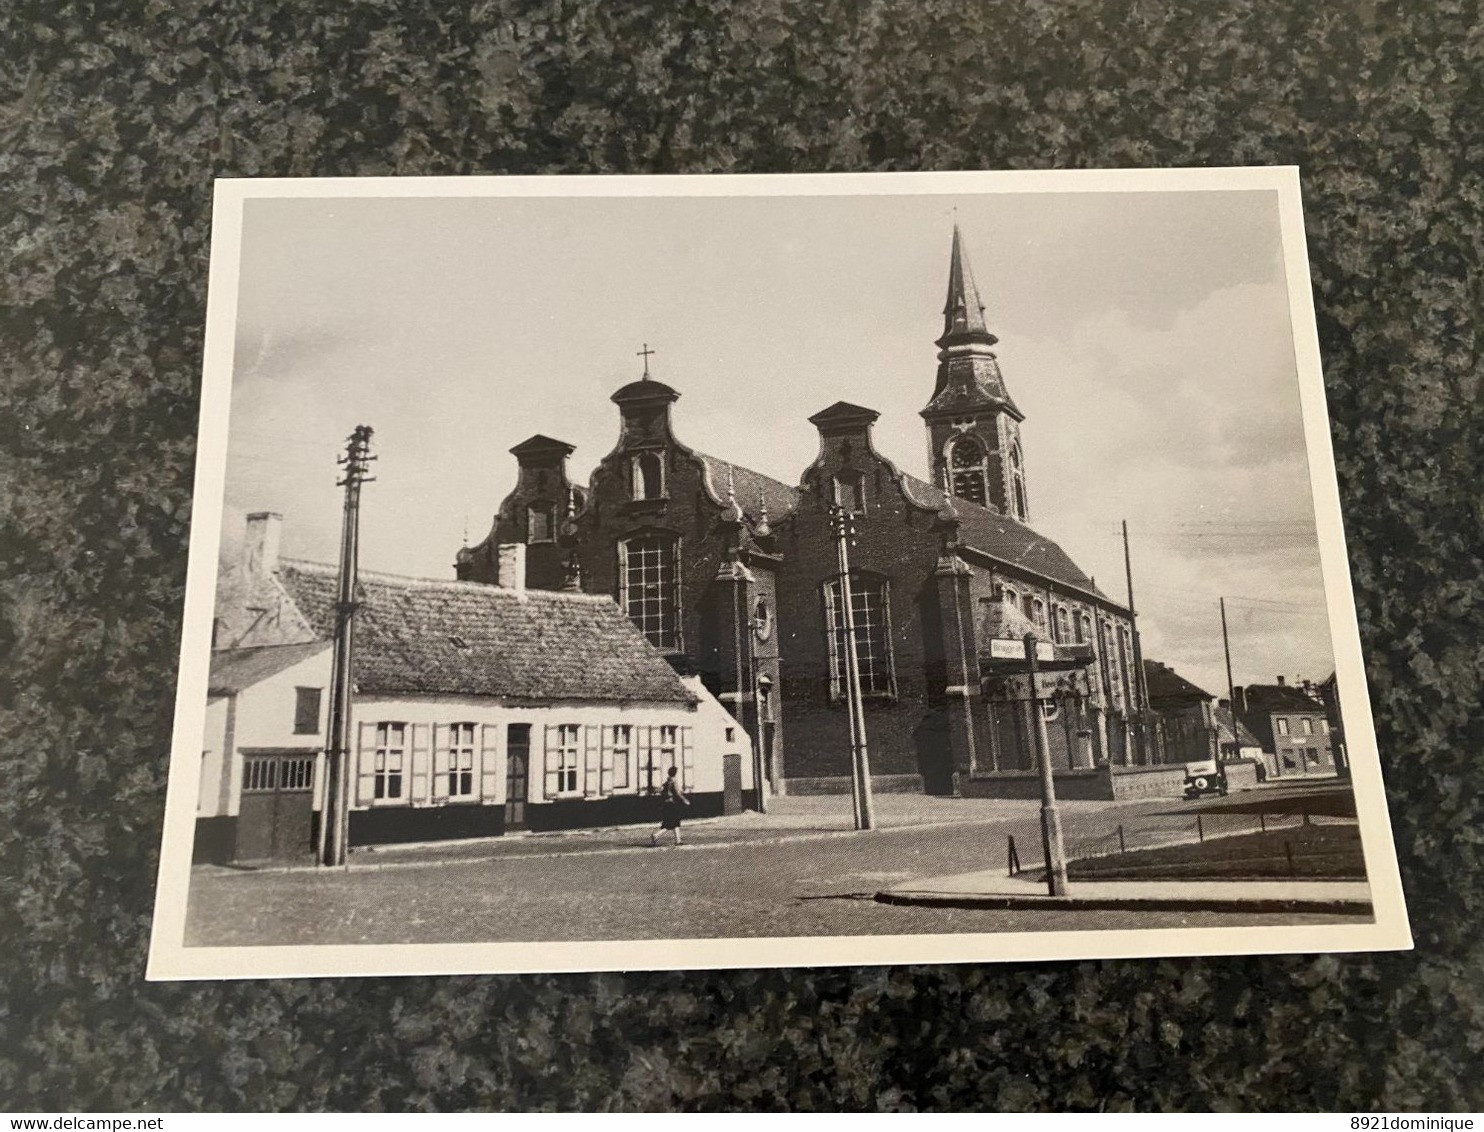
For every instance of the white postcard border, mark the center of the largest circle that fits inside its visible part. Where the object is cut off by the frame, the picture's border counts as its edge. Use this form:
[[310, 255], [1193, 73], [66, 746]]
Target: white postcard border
[[169, 959]]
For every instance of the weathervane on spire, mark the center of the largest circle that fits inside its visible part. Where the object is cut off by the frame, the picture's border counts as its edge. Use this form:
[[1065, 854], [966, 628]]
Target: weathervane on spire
[[645, 354]]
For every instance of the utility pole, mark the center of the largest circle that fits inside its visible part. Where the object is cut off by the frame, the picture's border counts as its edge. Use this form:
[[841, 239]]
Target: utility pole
[[860, 762], [334, 823], [1231, 688], [1141, 691], [1052, 845]]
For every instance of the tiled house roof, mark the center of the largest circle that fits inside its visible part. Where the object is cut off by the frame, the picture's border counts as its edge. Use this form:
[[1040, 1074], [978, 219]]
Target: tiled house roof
[[1263, 698], [1002, 537], [236, 669], [1223, 719], [1164, 683], [423, 636]]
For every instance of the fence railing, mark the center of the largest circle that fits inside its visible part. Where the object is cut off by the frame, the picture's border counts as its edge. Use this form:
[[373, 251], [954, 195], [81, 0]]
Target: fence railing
[[1158, 831]]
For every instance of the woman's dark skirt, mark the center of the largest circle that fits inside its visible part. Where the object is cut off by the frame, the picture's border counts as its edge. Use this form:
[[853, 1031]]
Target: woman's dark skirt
[[670, 817]]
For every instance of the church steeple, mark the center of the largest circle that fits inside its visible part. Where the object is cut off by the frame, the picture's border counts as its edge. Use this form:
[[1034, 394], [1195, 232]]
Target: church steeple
[[963, 312], [973, 423]]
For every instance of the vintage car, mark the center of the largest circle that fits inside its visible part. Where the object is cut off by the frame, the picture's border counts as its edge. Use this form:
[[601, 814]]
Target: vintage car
[[1205, 777]]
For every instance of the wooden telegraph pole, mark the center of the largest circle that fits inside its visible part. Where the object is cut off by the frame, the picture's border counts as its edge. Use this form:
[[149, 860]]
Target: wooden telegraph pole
[[1141, 691], [860, 762], [335, 817], [1231, 692]]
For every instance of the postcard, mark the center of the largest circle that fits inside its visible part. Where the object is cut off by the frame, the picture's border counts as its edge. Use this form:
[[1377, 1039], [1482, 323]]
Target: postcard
[[598, 573]]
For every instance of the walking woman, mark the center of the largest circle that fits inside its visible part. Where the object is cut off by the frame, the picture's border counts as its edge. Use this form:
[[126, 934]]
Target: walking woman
[[671, 800]]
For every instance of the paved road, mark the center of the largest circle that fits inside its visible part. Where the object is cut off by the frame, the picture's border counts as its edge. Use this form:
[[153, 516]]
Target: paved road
[[819, 885]]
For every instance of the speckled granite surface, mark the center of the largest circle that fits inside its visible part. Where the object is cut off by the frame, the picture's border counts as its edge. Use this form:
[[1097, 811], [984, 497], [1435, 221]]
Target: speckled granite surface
[[114, 119]]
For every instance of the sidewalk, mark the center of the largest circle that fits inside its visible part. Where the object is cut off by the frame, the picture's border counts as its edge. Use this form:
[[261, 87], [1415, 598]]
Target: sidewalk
[[788, 820], [991, 888]]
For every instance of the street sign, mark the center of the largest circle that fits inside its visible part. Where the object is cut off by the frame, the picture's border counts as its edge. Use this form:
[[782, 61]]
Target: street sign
[[1015, 650]]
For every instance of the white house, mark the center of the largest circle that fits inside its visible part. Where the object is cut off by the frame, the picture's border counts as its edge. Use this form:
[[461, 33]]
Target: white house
[[476, 710], [262, 752]]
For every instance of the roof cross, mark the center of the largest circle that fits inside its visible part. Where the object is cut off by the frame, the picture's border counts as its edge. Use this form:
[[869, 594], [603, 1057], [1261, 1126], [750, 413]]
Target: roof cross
[[645, 353]]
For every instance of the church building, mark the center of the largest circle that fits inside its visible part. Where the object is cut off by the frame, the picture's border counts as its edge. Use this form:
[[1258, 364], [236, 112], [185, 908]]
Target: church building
[[734, 576]]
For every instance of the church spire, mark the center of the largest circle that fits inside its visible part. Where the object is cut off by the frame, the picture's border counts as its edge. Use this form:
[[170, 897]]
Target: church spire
[[963, 312], [973, 424]]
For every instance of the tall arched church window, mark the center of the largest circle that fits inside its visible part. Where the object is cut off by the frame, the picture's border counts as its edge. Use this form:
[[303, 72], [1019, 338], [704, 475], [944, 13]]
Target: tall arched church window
[[969, 470], [1017, 480], [1061, 627], [872, 619], [649, 587], [647, 470]]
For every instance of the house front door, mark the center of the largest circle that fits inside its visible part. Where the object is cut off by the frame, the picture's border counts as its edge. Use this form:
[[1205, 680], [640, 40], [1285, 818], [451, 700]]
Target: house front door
[[517, 774], [275, 821]]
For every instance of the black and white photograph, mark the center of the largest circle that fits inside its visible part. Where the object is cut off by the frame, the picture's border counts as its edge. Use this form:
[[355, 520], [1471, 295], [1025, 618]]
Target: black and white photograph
[[616, 573]]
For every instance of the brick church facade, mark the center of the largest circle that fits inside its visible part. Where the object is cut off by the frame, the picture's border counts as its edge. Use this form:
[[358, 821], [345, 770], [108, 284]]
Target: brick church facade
[[734, 576]]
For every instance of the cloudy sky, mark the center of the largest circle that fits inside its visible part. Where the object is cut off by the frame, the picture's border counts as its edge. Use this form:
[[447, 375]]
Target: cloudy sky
[[1145, 336]]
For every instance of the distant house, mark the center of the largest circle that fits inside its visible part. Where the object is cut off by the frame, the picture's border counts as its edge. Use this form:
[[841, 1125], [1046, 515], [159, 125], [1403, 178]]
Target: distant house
[[477, 709], [1185, 723], [1245, 745], [1291, 726], [1329, 693]]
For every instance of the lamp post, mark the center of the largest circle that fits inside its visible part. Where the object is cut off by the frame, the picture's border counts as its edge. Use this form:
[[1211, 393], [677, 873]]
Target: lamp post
[[843, 522], [1052, 844]]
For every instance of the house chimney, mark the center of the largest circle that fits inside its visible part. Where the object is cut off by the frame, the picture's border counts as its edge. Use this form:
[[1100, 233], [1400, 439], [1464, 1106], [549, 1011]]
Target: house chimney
[[1280, 681], [260, 547], [1240, 693], [510, 566]]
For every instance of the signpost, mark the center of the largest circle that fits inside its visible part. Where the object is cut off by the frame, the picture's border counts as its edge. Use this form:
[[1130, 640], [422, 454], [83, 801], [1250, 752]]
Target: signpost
[[1052, 844]]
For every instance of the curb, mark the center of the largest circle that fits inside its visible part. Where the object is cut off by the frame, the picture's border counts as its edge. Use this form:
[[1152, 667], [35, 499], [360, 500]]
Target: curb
[[1004, 901]]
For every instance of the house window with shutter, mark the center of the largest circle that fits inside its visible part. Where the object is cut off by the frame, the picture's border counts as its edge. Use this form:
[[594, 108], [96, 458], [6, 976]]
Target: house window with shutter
[[666, 747], [567, 757], [621, 741], [459, 772], [390, 760]]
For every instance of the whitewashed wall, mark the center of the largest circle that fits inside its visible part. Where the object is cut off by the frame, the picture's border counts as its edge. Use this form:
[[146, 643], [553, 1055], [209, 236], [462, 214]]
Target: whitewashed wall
[[701, 743], [262, 717]]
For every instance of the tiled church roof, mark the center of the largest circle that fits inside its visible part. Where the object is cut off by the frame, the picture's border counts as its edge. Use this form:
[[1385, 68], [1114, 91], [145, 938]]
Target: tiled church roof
[[425, 636], [1002, 537], [752, 488]]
